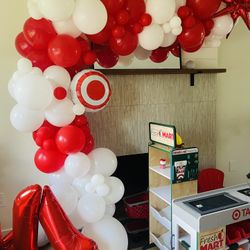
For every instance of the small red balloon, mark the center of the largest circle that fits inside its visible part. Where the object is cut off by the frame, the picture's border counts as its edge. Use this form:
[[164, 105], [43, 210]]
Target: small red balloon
[[189, 22], [125, 45], [122, 17], [89, 145], [89, 57], [64, 51], [137, 28], [22, 45], [38, 32], [85, 46], [184, 11], [80, 120], [118, 32], [49, 145], [136, 9], [113, 6], [146, 19], [40, 59], [60, 93], [42, 134], [208, 24], [70, 139], [159, 55]]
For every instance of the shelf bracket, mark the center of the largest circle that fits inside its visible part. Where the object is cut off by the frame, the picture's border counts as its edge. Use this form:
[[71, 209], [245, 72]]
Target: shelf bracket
[[192, 79]]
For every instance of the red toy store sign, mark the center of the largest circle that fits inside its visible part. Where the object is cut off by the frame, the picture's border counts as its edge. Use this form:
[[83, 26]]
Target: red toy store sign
[[241, 213]]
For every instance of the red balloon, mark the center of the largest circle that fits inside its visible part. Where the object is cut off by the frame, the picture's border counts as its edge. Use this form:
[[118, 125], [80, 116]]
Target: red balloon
[[122, 17], [70, 139], [89, 145], [146, 19], [103, 36], [191, 39], [60, 231], [64, 51], [7, 243], [118, 32], [80, 120], [113, 6], [49, 161], [85, 45], [25, 218], [136, 9], [208, 24], [89, 57], [105, 56], [175, 49], [22, 45], [38, 32], [60, 93], [189, 22], [159, 55], [125, 45], [204, 9], [137, 28], [49, 145], [40, 59], [184, 11]]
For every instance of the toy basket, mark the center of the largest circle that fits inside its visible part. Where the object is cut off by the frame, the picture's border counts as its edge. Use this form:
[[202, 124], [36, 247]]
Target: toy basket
[[137, 205]]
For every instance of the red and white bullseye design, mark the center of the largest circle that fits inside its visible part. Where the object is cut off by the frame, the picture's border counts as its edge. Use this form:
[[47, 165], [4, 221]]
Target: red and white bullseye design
[[91, 89]]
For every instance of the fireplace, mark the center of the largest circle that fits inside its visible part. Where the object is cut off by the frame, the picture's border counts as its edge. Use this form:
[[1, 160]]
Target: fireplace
[[133, 172]]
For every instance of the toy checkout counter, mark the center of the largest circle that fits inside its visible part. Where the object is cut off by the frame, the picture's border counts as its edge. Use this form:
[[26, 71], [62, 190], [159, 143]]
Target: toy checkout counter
[[218, 219]]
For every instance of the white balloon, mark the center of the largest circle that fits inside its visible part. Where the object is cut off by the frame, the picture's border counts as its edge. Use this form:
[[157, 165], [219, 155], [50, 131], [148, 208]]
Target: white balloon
[[108, 233], [42, 238], [103, 161], [77, 165], [97, 179], [102, 190], [222, 25], [11, 87], [67, 27], [79, 109], [60, 177], [169, 39], [24, 65], [161, 10], [116, 190], [126, 60], [59, 75], [80, 183], [66, 196], [142, 54], [36, 71], [34, 92], [76, 219], [110, 210], [56, 10], [166, 27], [91, 208], [151, 37], [90, 188], [60, 113], [26, 120], [175, 22], [177, 31], [90, 16], [33, 9]]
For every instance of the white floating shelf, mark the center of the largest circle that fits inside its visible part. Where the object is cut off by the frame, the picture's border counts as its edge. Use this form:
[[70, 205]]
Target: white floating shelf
[[163, 192], [165, 172], [163, 242], [163, 216]]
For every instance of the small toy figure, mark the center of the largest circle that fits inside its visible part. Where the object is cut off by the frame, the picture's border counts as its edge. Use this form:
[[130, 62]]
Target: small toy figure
[[163, 163]]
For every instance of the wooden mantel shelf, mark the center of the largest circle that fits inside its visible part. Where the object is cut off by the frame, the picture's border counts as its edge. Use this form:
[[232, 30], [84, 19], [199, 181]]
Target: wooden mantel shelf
[[191, 72]]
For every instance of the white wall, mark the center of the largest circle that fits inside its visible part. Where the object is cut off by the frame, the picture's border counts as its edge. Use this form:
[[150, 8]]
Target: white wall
[[16, 149], [233, 106]]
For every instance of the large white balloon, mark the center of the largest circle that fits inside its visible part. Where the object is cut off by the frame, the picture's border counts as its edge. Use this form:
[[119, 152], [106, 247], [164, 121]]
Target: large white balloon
[[76, 219], [151, 37], [103, 161], [67, 27], [26, 120], [142, 54], [59, 75], [222, 25], [33, 9], [60, 113], [90, 16], [110, 210], [77, 165], [108, 233], [66, 196], [60, 177], [33, 92], [116, 190], [24, 65], [169, 39], [56, 10], [91, 208], [161, 10], [80, 183]]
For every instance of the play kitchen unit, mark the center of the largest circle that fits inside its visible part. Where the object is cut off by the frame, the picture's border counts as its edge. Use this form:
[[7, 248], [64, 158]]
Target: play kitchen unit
[[173, 173], [218, 219]]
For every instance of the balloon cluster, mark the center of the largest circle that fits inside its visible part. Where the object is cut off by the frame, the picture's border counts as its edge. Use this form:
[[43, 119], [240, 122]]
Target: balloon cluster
[[75, 34]]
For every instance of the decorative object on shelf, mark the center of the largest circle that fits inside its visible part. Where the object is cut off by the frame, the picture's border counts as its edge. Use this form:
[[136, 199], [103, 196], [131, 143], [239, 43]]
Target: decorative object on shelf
[[163, 163], [178, 178]]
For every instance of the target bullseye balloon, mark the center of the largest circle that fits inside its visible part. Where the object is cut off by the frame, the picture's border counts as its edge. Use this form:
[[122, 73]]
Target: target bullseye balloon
[[91, 89]]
